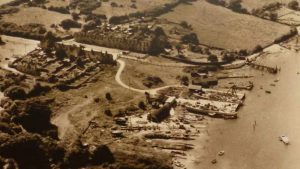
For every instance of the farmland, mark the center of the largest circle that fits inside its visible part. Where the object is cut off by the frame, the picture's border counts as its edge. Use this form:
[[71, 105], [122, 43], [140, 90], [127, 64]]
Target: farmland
[[4, 2], [36, 15], [253, 4], [125, 7], [222, 28], [143, 84]]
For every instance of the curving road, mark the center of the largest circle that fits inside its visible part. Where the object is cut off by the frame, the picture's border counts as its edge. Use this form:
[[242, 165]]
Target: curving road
[[150, 91]]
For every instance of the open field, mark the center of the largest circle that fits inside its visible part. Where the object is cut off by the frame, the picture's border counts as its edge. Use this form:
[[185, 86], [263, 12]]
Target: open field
[[288, 16], [253, 4], [2, 2], [57, 3], [141, 5], [134, 75], [77, 107], [36, 15], [220, 27]]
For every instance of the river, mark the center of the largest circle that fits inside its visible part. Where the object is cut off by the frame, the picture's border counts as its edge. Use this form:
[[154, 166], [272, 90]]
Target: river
[[275, 114]]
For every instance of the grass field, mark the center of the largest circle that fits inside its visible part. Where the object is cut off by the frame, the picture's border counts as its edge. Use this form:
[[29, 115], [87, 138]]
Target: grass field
[[252, 4], [36, 15], [142, 5], [2, 2], [133, 75], [219, 27], [57, 3]]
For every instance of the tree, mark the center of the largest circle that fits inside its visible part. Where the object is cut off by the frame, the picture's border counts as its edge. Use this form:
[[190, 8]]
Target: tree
[[228, 57], [190, 38], [108, 112], [185, 24], [15, 93], [212, 58], [108, 96], [293, 5], [69, 23], [142, 105], [60, 53], [179, 49], [273, 16], [184, 80], [89, 26], [217, 2], [257, 48], [48, 42], [235, 5]]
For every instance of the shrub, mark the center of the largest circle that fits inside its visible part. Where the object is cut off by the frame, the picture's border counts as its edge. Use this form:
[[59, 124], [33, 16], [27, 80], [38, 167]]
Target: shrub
[[293, 5], [212, 58], [63, 10], [142, 105], [75, 16], [273, 16], [190, 38], [118, 19], [69, 23], [89, 26], [257, 49], [235, 5], [108, 96], [217, 2], [228, 57]]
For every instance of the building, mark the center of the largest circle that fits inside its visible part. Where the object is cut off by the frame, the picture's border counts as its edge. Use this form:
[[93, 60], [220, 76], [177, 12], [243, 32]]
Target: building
[[142, 40]]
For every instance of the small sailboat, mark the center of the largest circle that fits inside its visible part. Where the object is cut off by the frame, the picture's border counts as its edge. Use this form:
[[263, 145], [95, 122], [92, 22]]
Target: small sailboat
[[284, 139]]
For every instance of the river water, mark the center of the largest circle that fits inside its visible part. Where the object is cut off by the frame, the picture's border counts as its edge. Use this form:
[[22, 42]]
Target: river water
[[278, 113]]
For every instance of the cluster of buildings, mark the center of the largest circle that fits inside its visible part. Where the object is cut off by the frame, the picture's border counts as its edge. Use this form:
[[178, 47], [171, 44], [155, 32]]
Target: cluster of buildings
[[142, 39], [63, 64]]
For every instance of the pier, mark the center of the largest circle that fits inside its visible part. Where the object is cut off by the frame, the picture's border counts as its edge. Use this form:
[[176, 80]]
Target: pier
[[269, 69]]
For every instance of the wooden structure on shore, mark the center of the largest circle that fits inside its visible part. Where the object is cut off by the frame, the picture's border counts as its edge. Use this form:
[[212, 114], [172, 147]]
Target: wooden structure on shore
[[269, 69]]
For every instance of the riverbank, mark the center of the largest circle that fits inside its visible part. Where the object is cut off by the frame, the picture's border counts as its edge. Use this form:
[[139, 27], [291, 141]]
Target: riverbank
[[250, 146]]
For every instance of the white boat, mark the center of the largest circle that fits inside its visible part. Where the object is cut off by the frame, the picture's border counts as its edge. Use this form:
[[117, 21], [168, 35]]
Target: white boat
[[284, 139]]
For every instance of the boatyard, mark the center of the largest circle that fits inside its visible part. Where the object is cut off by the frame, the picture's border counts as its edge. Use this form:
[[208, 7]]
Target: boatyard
[[178, 84]]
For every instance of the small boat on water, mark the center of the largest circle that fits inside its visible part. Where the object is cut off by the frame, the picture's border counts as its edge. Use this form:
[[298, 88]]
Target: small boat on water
[[284, 139]]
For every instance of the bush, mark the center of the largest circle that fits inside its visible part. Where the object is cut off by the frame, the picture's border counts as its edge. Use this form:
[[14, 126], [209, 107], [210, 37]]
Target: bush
[[63, 10], [69, 23], [257, 49], [228, 57], [142, 105], [108, 112], [185, 25], [118, 19], [15, 93], [235, 5], [89, 26], [273, 16], [212, 58], [75, 16], [190, 38], [108, 96], [293, 5], [184, 80], [217, 2]]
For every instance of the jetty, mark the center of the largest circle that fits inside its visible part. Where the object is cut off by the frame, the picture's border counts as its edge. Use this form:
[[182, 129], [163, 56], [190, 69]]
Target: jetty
[[269, 69]]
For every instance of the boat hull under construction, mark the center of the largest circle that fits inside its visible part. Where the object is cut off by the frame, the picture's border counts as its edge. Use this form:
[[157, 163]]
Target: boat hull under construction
[[213, 113]]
